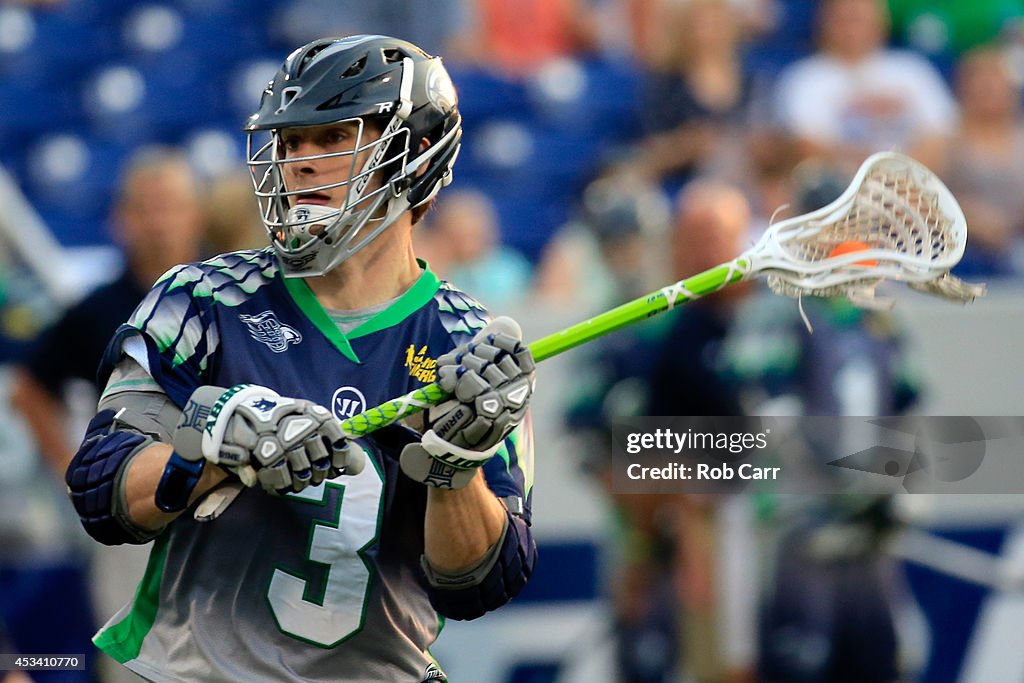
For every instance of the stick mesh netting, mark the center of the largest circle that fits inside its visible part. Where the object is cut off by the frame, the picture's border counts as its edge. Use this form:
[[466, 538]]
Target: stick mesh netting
[[889, 212], [911, 239]]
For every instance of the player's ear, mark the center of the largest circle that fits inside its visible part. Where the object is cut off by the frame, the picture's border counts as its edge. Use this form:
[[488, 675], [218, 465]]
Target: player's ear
[[424, 146]]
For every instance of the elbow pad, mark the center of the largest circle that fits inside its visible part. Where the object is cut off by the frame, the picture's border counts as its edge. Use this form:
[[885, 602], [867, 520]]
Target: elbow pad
[[498, 578], [94, 480]]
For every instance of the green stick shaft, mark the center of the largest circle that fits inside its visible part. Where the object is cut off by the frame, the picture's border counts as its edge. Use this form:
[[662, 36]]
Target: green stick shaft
[[628, 313]]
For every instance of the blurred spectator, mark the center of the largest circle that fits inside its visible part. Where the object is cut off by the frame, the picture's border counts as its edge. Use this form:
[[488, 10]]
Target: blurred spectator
[[158, 223], [516, 37], [232, 215], [773, 157], [7, 646], [953, 26], [711, 227], [461, 242], [985, 167], [698, 97], [855, 96], [637, 26], [610, 253]]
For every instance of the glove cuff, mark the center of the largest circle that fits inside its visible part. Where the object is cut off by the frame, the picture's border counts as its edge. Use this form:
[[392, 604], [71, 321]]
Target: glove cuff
[[200, 431], [220, 414], [421, 466], [456, 456]]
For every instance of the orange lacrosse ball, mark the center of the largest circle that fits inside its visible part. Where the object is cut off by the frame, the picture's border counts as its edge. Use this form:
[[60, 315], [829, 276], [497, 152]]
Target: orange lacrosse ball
[[852, 247]]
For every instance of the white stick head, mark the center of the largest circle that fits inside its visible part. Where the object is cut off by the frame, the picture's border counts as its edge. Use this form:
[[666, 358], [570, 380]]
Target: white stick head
[[895, 221]]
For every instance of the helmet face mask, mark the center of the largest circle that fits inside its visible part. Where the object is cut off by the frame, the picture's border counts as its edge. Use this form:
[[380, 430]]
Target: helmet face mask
[[393, 96]]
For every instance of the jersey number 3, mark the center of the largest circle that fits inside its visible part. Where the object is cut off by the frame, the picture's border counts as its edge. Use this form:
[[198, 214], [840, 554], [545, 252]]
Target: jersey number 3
[[338, 613]]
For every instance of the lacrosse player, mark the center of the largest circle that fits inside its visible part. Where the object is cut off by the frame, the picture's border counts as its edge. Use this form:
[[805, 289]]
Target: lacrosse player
[[338, 560]]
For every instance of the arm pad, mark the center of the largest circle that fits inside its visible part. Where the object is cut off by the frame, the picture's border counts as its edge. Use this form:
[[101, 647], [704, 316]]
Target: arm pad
[[94, 481], [501, 575]]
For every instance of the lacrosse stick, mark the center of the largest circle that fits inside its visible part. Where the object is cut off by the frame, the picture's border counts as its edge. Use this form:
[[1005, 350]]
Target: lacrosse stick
[[896, 221]]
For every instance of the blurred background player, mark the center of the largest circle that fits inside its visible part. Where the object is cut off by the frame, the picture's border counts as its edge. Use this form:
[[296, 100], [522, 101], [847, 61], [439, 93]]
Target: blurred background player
[[158, 223], [602, 257], [666, 591]]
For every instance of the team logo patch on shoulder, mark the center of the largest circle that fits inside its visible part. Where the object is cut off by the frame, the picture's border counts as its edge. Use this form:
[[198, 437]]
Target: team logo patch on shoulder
[[420, 366], [265, 327]]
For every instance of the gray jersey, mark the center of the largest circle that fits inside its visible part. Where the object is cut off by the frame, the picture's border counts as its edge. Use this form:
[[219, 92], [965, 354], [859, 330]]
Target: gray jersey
[[255, 612]]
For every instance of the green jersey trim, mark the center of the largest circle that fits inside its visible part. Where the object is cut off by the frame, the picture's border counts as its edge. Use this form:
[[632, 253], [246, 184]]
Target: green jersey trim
[[123, 640], [419, 294], [422, 291], [310, 306]]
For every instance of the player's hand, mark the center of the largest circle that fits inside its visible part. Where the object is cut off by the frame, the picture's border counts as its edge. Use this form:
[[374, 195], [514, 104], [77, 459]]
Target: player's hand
[[491, 379], [284, 444]]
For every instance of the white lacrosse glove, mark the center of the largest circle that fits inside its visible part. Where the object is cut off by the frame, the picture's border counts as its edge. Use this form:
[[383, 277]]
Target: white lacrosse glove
[[284, 444], [491, 379]]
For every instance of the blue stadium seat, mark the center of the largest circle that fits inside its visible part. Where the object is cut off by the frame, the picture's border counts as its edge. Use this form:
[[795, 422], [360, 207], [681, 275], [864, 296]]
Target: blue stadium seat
[[215, 150], [485, 95], [199, 65], [532, 173], [33, 109], [795, 25], [46, 49], [159, 101], [71, 178], [593, 98], [112, 100], [244, 82]]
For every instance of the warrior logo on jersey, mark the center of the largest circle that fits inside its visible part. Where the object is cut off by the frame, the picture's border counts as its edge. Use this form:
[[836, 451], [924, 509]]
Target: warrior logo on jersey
[[420, 366], [434, 675], [347, 401], [265, 327]]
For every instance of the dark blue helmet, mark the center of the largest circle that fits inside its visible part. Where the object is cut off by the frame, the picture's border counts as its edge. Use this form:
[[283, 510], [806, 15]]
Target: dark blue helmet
[[376, 82]]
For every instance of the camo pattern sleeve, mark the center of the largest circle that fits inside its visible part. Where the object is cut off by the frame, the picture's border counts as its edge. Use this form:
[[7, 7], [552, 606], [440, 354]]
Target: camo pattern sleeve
[[173, 334], [510, 473]]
